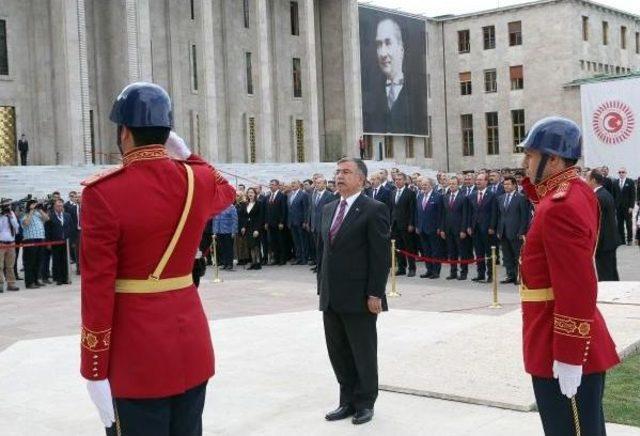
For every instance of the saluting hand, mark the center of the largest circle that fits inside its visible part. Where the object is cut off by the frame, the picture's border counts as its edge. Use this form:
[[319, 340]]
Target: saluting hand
[[374, 304]]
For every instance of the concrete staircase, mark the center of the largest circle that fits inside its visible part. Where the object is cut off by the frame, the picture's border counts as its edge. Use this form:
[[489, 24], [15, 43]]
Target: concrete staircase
[[16, 181]]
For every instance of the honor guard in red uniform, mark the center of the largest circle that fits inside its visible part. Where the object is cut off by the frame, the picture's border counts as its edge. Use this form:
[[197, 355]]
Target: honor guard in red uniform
[[567, 347], [146, 349]]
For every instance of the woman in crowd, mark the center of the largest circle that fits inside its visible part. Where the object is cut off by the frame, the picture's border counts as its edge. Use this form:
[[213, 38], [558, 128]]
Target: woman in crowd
[[242, 247], [251, 218]]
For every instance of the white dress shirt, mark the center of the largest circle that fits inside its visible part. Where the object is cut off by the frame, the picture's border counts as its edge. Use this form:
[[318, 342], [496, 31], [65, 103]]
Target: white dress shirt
[[5, 230], [350, 201]]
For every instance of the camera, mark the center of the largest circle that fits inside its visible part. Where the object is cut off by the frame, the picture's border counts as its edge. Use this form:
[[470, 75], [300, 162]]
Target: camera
[[5, 210]]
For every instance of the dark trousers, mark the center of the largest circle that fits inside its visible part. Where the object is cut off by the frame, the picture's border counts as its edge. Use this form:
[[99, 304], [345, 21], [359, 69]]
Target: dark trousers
[[352, 343], [277, 244], [510, 255], [31, 259], [430, 247], [59, 261], [264, 242], [558, 413], [362, 153], [482, 249], [45, 263], [226, 249], [607, 266], [23, 158], [624, 222], [299, 243], [404, 241], [178, 415], [311, 246], [457, 248]]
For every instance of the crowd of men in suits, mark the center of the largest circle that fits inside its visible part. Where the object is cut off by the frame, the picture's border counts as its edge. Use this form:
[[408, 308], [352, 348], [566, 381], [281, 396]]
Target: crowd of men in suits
[[36, 223], [452, 218]]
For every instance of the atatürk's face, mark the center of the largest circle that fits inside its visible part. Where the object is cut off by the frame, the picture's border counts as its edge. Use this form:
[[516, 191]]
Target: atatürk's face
[[390, 49]]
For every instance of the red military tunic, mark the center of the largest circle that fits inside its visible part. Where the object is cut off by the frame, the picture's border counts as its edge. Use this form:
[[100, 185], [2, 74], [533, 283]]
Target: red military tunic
[[148, 344], [559, 283]]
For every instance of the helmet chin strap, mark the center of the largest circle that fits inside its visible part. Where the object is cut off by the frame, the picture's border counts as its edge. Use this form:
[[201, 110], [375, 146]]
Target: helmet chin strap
[[118, 140], [541, 166]]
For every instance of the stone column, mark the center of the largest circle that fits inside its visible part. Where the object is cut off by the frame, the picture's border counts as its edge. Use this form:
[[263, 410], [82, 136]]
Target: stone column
[[353, 89], [84, 82], [210, 136], [312, 86], [265, 121]]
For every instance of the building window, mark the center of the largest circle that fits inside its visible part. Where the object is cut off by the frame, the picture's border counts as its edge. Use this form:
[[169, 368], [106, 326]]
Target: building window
[[637, 42], [464, 41], [92, 136], [623, 37], [466, 121], [300, 141], [297, 78], [465, 83], [252, 139], [4, 53], [388, 146], [516, 77], [428, 85], [195, 132], [295, 23], [249, 73], [490, 79], [428, 143], [245, 11], [194, 68], [193, 9], [585, 28], [517, 120], [515, 33], [605, 33], [493, 139], [489, 37], [408, 147]]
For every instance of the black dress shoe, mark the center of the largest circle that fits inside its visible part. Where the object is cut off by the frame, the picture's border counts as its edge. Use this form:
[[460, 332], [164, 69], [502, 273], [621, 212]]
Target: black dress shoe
[[362, 416], [507, 280], [489, 280], [32, 286], [12, 288], [401, 273], [452, 277], [426, 275], [412, 273], [462, 277], [341, 412], [434, 276], [478, 279]]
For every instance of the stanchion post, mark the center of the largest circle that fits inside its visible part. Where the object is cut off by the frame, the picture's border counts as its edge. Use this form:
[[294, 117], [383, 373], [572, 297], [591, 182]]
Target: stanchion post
[[68, 262], [494, 273], [394, 292], [214, 251]]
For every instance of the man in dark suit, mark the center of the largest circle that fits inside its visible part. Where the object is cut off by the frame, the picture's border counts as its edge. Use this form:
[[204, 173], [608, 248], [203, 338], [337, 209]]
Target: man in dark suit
[[403, 218], [263, 199], [321, 197], [606, 263], [59, 230], [297, 221], [23, 148], [513, 220], [454, 228], [624, 194], [379, 192], [608, 182], [482, 225], [428, 216], [72, 208], [276, 218], [353, 266], [469, 185]]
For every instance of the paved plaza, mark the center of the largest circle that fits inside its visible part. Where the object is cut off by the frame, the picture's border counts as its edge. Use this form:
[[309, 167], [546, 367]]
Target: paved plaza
[[449, 365]]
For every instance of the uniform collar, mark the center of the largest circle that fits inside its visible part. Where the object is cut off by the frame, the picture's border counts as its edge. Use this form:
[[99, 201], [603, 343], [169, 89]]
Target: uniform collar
[[148, 152], [551, 183]]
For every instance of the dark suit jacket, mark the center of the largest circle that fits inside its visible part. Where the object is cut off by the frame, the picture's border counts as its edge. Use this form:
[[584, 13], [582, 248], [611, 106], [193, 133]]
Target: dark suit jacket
[[499, 189], [356, 264], [428, 218], [72, 209], [625, 198], [608, 238], [383, 195], [297, 209], [454, 217], [513, 221], [276, 212], [253, 220], [608, 184], [403, 213], [390, 186], [23, 146], [56, 230], [407, 115], [466, 191], [483, 216], [316, 209]]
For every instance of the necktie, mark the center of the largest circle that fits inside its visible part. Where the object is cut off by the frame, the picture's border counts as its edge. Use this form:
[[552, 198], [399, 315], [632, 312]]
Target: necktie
[[451, 198], [479, 197], [391, 97], [317, 200], [424, 202], [273, 197], [375, 192], [398, 194], [338, 222], [507, 201]]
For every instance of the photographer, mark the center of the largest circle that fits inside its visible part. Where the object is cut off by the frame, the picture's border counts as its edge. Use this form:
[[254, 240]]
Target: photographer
[[8, 230], [33, 232]]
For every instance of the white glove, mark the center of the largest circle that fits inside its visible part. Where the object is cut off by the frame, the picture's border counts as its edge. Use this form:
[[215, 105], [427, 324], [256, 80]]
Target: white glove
[[100, 394], [569, 377], [176, 147]]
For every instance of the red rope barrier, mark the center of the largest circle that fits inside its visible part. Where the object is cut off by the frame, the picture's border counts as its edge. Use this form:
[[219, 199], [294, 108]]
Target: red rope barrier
[[32, 244], [444, 261]]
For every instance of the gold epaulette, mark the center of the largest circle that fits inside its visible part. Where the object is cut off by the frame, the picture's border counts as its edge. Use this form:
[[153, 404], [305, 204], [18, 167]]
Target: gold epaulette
[[102, 175], [561, 191]]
